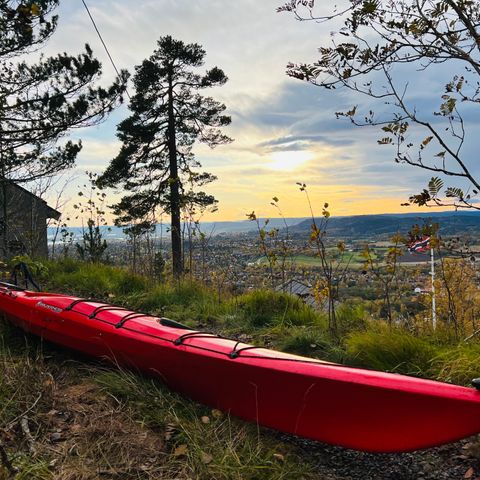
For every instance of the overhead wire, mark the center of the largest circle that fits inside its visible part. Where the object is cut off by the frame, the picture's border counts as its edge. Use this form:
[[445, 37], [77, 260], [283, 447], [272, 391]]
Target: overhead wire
[[103, 42]]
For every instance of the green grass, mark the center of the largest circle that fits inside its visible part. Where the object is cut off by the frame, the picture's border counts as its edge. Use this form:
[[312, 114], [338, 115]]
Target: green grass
[[458, 364], [262, 308], [310, 342], [392, 351], [354, 258], [93, 280]]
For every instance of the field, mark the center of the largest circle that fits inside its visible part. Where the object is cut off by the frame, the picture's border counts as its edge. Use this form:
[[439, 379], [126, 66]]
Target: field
[[353, 259]]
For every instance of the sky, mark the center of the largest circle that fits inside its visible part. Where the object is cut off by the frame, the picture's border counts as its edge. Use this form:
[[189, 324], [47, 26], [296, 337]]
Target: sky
[[284, 130]]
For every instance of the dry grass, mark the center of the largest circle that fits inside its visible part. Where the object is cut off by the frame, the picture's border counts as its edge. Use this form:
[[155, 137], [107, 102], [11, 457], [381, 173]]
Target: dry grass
[[63, 419], [57, 423]]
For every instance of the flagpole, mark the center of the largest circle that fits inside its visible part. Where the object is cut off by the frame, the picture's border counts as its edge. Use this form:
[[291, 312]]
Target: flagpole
[[434, 310]]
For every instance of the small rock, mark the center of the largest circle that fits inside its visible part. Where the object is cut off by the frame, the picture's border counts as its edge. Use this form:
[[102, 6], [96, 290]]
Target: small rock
[[56, 437]]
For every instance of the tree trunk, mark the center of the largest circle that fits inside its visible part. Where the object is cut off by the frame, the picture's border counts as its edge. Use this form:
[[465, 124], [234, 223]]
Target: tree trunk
[[4, 207], [176, 233]]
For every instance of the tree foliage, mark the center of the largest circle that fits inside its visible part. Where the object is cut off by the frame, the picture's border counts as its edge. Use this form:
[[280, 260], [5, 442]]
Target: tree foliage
[[386, 51], [40, 102], [156, 164]]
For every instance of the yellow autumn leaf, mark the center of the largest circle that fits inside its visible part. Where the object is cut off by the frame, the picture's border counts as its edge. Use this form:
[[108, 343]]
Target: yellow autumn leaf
[[35, 10]]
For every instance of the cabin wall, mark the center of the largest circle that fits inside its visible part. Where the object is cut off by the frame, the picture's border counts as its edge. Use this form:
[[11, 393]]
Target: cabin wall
[[26, 223]]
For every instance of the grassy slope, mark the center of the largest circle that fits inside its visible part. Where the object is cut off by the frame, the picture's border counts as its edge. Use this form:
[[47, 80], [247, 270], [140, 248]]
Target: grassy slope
[[85, 418]]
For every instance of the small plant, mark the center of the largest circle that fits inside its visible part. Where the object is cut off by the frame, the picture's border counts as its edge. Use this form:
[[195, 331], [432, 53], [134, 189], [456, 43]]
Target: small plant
[[93, 243], [385, 270], [266, 239], [333, 268]]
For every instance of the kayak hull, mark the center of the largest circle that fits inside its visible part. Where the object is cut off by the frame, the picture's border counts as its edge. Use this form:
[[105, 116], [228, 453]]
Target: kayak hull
[[354, 408]]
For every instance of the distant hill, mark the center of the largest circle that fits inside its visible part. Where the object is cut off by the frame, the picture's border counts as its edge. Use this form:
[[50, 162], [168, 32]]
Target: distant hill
[[209, 228], [385, 225], [351, 227]]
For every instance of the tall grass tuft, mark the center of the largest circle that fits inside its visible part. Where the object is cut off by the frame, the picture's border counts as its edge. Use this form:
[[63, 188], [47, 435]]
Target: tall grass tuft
[[311, 342], [263, 308], [351, 318], [183, 301], [94, 279], [394, 351], [459, 365]]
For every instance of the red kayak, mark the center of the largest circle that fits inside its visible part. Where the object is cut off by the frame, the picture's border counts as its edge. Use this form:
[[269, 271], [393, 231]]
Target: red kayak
[[355, 408]]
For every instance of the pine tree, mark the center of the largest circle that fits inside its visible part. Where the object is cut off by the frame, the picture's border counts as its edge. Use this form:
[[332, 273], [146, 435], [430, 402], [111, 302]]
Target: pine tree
[[156, 164]]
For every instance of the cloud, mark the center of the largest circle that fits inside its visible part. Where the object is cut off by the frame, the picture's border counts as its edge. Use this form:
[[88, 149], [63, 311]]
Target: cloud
[[271, 113]]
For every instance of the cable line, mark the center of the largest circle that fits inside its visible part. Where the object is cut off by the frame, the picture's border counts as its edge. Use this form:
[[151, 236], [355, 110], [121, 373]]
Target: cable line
[[103, 43]]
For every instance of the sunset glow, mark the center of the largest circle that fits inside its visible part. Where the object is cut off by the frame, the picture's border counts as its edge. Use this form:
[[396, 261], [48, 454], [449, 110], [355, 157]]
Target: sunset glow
[[289, 160]]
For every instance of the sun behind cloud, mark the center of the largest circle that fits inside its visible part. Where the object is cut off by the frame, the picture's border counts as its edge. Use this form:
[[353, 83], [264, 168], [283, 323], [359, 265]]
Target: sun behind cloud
[[289, 160]]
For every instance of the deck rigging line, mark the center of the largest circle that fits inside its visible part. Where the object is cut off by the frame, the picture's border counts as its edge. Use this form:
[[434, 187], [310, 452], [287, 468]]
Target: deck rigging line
[[233, 354]]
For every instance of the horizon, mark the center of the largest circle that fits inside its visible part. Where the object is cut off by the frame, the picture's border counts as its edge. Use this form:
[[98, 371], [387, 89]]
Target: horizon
[[420, 214]]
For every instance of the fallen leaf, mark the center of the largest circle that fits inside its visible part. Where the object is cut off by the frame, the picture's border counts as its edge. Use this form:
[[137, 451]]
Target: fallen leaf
[[48, 382], [206, 458], [279, 457], [181, 450], [469, 473], [216, 413], [76, 428]]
